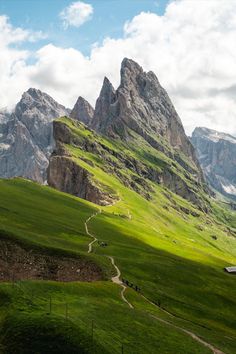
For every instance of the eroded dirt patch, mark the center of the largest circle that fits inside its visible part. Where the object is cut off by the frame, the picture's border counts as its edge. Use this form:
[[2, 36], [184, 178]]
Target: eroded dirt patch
[[18, 263]]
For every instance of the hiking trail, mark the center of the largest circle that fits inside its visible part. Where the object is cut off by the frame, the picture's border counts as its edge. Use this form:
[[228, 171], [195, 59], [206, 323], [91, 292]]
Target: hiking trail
[[116, 280], [90, 246]]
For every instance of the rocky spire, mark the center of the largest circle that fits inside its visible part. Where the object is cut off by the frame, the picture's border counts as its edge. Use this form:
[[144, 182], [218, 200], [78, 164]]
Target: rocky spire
[[82, 111], [104, 110], [129, 72], [141, 104]]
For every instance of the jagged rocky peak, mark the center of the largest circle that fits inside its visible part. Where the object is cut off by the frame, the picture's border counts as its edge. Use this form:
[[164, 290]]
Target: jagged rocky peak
[[103, 115], [82, 111], [107, 89], [142, 105], [134, 77], [38, 102], [213, 135], [27, 136], [216, 152]]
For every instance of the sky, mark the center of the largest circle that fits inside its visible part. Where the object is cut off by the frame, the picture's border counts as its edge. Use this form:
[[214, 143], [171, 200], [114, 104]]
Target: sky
[[65, 48]]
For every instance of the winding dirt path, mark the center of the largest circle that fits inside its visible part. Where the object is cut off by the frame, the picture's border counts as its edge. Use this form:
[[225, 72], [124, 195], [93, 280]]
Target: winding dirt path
[[90, 246], [191, 334], [159, 308], [116, 280]]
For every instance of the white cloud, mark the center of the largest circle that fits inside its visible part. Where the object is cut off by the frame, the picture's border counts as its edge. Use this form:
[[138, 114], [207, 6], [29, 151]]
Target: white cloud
[[13, 60], [76, 14], [191, 48]]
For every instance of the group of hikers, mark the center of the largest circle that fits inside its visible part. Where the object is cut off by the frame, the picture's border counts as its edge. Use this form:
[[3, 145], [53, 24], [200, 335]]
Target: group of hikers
[[131, 285], [124, 281], [102, 244]]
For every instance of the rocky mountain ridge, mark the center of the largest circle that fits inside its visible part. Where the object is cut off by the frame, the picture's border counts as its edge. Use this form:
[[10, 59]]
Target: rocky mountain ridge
[[26, 140], [141, 104], [138, 111], [216, 152], [138, 115]]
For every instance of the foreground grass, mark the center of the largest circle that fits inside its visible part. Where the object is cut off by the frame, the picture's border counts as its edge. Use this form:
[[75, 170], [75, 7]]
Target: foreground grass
[[81, 313], [146, 255]]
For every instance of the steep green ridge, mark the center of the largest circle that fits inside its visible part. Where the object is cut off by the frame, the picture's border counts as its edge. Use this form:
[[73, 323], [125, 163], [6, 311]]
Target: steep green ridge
[[168, 247], [134, 162]]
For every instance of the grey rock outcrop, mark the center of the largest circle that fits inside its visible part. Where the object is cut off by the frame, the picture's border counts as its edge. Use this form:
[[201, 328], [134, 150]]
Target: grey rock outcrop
[[82, 111], [142, 105], [217, 155], [26, 136], [67, 175]]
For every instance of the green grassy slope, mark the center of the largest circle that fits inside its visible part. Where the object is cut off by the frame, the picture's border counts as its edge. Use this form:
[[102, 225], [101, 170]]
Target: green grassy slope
[[164, 245], [25, 306]]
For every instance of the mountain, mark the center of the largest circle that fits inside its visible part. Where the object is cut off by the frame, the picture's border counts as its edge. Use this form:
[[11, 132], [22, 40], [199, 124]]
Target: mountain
[[26, 139], [134, 135], [217, 155], [140, 104], [82, 111]]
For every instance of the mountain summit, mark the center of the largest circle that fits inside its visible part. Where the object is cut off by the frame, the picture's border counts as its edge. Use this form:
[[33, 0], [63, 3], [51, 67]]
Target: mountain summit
[[216, 152], [140, 104], [82, 111], [27, 136]]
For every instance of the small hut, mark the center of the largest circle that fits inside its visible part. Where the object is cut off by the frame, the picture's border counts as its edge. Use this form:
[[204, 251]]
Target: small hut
[[231, 270]]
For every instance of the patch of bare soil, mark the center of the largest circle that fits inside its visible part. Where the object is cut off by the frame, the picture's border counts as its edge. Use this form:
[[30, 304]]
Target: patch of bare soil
[[20, 263]]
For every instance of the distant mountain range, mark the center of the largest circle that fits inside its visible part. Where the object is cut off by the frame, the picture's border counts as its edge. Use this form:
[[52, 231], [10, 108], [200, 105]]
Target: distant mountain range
[[217, 155]]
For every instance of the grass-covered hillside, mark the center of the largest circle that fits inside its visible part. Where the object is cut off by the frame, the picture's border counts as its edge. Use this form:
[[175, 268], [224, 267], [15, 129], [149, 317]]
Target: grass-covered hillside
[[163, 244]]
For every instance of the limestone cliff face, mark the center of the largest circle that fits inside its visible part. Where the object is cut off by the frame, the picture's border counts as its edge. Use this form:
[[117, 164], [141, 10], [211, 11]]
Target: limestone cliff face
[[66, 175], [82, 111], [142, 105], [26, 136], [217, 155]]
